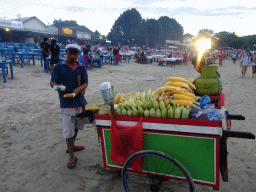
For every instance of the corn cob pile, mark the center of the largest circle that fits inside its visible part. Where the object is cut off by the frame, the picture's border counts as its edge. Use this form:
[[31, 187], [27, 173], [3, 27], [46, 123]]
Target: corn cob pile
[[174, 100], [178, 91], [120, 98]]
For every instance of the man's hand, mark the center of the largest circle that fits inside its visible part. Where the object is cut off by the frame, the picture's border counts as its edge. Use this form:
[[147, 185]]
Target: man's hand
[[55, 84], [80, 89], [77, 91]]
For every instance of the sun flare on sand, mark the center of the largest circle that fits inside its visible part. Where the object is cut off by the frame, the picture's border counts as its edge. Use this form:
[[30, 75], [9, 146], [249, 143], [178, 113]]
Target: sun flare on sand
[[202, 46]]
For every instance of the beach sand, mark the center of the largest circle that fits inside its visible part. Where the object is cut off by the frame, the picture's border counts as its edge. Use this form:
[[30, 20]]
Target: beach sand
[[33, 157]]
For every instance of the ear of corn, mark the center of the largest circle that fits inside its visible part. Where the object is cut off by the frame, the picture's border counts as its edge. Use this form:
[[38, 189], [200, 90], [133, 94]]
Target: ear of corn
[[100, 104], [192, 80], [69, 95], [175, 79], [148, 95], [93, 108], [191, 85], [173, 90], [181, 89], [117, 98], [142, 96], [177, 84], [188, 95], [182, 97], [185, 102]]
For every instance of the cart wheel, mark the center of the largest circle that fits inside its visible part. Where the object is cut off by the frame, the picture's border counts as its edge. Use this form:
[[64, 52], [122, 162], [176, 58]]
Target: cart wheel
[[163, 173]]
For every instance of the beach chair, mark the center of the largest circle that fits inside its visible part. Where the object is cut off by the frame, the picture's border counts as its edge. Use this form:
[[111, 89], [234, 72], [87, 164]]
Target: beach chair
[[142, 60], [160, 60]]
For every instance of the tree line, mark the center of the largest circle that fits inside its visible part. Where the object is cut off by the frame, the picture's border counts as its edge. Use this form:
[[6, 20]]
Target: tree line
[[226, 39], [131, 29]]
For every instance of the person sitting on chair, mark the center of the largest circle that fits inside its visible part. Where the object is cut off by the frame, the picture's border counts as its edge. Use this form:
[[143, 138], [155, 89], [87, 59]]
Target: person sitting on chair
[[142, 57]]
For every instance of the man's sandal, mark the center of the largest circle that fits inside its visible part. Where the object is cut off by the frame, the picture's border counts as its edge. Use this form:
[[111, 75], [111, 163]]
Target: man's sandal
[[72, 163], [76, 148]]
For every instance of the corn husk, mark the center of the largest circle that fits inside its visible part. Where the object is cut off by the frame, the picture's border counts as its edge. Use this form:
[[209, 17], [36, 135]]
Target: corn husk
[[148, 95], [158, 113], [152, 112], [146, 113], [164, 113]]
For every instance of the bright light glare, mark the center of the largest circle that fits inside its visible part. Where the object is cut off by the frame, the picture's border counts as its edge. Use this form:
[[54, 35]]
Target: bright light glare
[[202, 46], [7, 29]]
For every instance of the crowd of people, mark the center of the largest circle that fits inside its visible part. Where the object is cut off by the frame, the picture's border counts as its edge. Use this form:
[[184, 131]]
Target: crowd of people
[[245, 58], [88, 52]]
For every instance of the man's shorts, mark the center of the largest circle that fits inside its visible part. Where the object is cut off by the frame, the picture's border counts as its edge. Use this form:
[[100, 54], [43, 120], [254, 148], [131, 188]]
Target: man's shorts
[[68, 127]]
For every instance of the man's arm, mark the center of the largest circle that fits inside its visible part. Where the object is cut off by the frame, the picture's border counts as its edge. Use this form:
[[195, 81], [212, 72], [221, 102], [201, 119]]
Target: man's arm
[[80, 89], [55, 78], [52, 83]]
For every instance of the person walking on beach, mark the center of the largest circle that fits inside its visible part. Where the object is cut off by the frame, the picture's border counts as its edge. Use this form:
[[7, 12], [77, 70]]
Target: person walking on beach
[[245, 62], [185, 58], [73, 75], [55, 51], [45, 50], [221, 58], [234, 57]]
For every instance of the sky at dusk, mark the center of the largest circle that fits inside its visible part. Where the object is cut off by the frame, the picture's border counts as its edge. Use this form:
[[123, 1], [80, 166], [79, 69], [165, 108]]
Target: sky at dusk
[[219, 15]]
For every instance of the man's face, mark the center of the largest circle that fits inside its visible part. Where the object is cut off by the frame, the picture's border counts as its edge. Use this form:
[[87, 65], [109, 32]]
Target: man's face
[[72, 56]]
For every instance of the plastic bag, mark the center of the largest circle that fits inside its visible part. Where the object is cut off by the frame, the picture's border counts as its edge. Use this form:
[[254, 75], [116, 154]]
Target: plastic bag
[[125, 141], [208, 113]]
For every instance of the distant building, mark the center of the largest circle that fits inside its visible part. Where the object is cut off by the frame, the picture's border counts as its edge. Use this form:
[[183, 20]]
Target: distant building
[[23, 29], [187, 39]]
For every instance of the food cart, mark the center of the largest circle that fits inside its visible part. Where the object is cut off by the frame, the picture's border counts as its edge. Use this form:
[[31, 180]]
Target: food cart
[[175, 153], [199, 145]]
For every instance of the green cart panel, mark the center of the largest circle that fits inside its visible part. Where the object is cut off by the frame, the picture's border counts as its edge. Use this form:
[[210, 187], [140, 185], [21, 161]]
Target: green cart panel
[[195, 153]]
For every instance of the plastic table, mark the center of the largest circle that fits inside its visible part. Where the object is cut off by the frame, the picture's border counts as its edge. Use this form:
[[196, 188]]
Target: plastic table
[[96, 59], [111, 57], [21, 56]]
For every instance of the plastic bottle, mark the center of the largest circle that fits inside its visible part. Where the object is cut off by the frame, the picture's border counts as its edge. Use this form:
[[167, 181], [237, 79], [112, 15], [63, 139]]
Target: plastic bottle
[[59, 88], [212, 116], [225, 110]]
